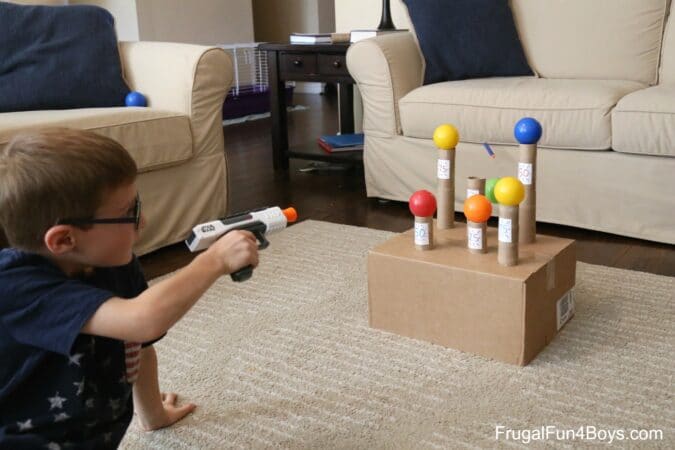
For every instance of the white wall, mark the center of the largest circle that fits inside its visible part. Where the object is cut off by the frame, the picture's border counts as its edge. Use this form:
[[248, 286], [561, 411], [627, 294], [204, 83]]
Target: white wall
[[366, 14], [208, 22], [326, 16], [39, 2], [275, 20], [124, 11], [228, 21]]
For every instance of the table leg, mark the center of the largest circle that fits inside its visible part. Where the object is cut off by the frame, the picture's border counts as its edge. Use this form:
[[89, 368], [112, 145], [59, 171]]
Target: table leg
[[346, 105], [278, 113]]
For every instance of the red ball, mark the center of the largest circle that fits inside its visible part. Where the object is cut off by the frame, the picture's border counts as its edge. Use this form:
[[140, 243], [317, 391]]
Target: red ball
[[422, 204], [477, 208]]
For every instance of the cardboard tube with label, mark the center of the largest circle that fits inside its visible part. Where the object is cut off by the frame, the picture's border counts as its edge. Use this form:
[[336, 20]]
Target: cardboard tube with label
[[509, 192], [507, 251], [527, 174], [477, 209], [475, 185], [446, 189], [476, 236], [424, 233], [422, 205], [527, 132], [446, 138]]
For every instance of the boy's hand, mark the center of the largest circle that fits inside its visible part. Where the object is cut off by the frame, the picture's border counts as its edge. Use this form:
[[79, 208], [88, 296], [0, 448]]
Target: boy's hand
[[172, 413], [235, 250], [155, 409]]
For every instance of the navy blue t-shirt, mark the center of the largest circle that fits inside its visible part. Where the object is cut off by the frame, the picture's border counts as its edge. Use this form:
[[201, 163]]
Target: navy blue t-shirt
[[60, 388]]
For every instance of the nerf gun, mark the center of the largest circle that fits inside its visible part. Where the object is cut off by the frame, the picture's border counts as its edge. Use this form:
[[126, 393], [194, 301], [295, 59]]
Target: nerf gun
[[258, 221]]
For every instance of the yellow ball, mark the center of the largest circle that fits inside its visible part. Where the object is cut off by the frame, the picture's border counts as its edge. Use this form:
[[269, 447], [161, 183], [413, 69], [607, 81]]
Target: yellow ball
[[446, 136], [509, 191]]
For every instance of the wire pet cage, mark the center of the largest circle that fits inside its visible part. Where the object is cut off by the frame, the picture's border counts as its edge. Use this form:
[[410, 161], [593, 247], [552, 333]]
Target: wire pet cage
[[250, 89]]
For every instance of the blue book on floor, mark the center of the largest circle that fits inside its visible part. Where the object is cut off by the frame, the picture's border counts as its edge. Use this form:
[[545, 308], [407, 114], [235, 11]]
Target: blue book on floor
[[343, 140]]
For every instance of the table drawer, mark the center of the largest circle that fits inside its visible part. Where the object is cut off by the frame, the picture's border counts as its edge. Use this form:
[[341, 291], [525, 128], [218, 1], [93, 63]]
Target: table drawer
[[297, 63], [330, 64]]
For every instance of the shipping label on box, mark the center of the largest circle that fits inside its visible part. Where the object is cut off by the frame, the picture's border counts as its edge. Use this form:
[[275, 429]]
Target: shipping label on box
[[468, 301], [565, 308]]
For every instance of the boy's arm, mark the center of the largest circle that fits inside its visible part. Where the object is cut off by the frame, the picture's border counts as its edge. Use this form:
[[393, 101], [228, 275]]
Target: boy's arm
[[155, 410], [154, 311]]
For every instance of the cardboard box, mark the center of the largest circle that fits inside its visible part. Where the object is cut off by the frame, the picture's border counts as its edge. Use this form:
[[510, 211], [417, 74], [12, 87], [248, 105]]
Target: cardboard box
[[468, 301]]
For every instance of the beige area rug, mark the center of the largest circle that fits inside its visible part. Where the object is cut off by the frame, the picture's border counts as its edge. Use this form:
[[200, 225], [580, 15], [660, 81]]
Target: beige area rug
[[287, 360]]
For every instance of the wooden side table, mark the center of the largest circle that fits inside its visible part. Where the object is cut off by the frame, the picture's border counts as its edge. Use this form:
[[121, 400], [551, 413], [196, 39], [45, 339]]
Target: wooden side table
[[311, 62]]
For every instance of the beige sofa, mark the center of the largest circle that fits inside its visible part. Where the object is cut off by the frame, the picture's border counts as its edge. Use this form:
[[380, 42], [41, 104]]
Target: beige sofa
[[177, 141], [604, 92]]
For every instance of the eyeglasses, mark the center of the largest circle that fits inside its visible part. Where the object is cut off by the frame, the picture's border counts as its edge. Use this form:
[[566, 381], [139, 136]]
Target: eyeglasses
[[135, 219]]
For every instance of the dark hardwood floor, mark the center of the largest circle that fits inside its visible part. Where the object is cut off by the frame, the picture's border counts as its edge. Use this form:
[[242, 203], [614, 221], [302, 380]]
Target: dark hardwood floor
[[339, 196]]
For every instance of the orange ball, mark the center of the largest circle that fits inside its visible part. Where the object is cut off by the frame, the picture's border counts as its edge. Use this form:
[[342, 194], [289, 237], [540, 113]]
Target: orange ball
[[477, 208]]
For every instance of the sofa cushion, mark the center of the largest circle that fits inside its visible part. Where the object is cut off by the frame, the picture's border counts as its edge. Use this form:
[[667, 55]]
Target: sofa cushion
[[575, 114], [153, 138], [58, 57], [644, 122], [598, 39], [475, 39], [668, 52]]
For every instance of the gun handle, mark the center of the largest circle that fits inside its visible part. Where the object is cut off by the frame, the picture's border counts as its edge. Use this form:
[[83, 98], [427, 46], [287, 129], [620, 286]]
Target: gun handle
[[242, 274], [246, 273]]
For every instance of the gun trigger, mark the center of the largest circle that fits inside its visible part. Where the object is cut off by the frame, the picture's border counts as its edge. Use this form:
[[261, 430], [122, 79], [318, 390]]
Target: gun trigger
[[263, 242]]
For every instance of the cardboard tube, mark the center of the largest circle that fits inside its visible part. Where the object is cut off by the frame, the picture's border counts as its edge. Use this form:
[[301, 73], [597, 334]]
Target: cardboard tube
[[424, 233], [507, 251], [475, 185], [476, 234], [445, 198], [527, 174]]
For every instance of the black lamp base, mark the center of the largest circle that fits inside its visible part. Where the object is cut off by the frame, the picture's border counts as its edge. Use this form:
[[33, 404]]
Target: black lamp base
[[386, 22]]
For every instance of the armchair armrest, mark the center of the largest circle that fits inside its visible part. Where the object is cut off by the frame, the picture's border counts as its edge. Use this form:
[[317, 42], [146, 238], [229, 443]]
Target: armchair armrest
[[385, 69], [184, 78]]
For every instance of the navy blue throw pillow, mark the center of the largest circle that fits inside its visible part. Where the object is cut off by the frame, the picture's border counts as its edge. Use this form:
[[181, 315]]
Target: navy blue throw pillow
[[58, 57], [463, 39]]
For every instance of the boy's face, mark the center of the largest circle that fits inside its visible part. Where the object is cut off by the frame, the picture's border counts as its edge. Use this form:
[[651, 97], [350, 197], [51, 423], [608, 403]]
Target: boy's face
[[110, 244]]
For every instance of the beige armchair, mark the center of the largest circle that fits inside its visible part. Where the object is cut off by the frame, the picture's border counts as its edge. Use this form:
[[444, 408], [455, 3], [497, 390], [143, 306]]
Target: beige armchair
[[177, 141]]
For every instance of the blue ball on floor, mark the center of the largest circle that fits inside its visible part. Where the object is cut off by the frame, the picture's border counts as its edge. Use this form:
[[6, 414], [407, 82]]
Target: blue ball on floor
[[527, 131], [135, 98]]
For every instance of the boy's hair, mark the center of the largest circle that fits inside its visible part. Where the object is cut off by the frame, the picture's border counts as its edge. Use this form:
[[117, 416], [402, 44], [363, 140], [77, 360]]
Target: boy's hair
[[54, 174]]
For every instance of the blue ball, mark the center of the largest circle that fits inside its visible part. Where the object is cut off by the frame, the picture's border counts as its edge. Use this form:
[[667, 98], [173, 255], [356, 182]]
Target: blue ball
[[527, 131], [134, 98]]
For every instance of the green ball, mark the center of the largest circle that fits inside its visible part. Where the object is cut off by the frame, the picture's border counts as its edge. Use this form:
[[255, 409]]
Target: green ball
[[490, 189]]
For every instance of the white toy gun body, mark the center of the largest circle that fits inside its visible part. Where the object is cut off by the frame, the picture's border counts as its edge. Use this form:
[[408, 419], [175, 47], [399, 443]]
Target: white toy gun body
[[259, 222]]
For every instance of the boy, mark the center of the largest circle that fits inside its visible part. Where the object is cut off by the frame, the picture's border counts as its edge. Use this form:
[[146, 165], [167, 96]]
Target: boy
[[73, 301]]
